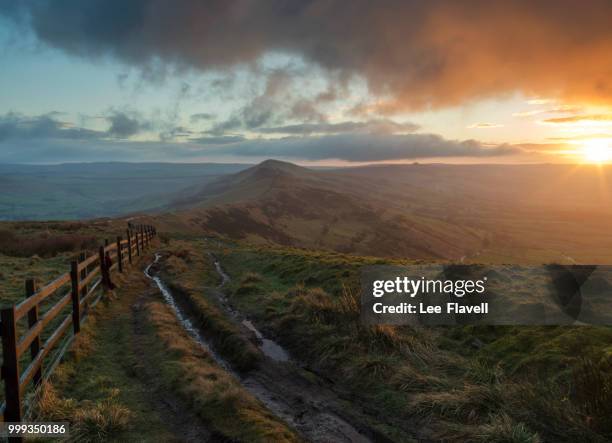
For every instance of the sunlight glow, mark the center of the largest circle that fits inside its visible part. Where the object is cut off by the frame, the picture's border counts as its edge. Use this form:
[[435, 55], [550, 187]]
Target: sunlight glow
[[597, 151]]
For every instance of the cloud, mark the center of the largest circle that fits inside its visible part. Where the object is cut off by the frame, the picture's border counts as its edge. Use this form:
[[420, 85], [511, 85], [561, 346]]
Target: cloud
[[561, 109], [201, 116], [220, 140], [539, 101], [123, 125], [580, 118], [415, 54], [485, 125], [384, 126], [175, 132], [46, 139], [15, 126], [581, 137], [364, 148]]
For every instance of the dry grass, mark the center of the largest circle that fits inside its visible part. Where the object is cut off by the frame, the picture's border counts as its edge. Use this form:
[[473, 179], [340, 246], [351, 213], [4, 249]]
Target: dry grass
[[214, 394], [43, 244], [91, 421]]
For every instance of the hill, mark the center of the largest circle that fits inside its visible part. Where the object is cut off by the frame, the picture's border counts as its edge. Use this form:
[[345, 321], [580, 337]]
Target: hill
[[499, 213], [287, 204]]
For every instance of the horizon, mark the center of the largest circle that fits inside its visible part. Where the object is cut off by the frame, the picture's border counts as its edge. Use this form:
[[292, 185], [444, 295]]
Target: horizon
[[312, 165]]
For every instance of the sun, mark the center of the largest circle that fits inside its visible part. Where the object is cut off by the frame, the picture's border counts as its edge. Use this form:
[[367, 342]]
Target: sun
[[597, 151]]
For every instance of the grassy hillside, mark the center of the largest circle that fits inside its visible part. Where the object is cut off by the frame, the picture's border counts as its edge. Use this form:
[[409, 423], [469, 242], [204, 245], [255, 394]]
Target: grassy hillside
[[500, 384], [477, 213], [468, 384], [470, 213]]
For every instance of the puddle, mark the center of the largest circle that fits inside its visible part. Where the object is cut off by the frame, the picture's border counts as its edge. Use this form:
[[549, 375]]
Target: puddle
[[268, 347], [185, 322], [224, 277]]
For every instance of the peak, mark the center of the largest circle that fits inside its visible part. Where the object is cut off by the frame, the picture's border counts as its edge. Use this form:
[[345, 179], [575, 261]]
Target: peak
[[276, 168], [273, 169], [278, 165]]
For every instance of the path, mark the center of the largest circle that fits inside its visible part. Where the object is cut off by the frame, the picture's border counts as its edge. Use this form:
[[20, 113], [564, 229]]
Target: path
[[119, 359]]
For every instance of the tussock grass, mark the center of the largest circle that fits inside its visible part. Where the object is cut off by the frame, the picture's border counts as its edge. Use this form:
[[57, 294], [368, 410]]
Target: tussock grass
[[226, 336], [185, 275], [502, 429], [518, 386], [593, 392], [91, 421]]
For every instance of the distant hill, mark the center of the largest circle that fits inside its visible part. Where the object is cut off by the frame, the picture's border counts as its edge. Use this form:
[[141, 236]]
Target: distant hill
[[287, 204], [493, 213], [501, 213], [86, 190]]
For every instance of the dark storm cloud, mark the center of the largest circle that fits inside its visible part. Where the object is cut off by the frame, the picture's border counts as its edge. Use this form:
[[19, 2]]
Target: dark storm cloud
[[418, 53], [364, 148]]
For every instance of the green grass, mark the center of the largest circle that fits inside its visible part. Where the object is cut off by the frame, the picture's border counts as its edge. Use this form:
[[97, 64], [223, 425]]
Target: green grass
[[188, 274], [96, 387], [132, 360], [518, 386]]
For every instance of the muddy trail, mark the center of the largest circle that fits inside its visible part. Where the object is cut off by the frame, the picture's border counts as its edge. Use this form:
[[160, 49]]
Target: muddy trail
[[303, 400]]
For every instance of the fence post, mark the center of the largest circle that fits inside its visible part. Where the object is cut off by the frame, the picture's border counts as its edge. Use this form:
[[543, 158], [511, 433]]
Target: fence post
[[30, 290], [129, 246], [76, 305], [83, 274], [10, 365], [103, 269], [119, 255], [144, 238]]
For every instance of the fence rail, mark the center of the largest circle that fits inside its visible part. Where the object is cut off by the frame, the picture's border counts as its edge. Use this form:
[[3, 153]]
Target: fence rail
[[86, 276]]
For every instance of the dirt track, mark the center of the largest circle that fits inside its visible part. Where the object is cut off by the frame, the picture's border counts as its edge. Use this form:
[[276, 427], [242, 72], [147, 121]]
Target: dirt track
[[300, 398]]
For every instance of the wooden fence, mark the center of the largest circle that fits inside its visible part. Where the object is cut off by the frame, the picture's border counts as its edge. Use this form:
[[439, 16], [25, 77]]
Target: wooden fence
[[83, 283]]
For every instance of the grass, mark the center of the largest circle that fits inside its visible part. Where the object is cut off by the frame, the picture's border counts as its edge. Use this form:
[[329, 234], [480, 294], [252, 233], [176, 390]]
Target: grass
[[519, 387], [188, 275], [54, 246], [214, 394], [131, 360], [96, 389]]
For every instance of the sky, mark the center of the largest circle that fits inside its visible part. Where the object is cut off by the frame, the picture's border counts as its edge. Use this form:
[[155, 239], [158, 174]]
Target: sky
[[315, 82]]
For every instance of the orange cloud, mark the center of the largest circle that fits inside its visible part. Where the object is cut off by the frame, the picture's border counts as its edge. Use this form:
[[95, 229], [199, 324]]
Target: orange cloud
[[579, 118], [415, 54], [485, 125]]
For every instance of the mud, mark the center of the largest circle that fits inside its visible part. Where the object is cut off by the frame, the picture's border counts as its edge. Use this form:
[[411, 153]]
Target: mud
[[304, 401]]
